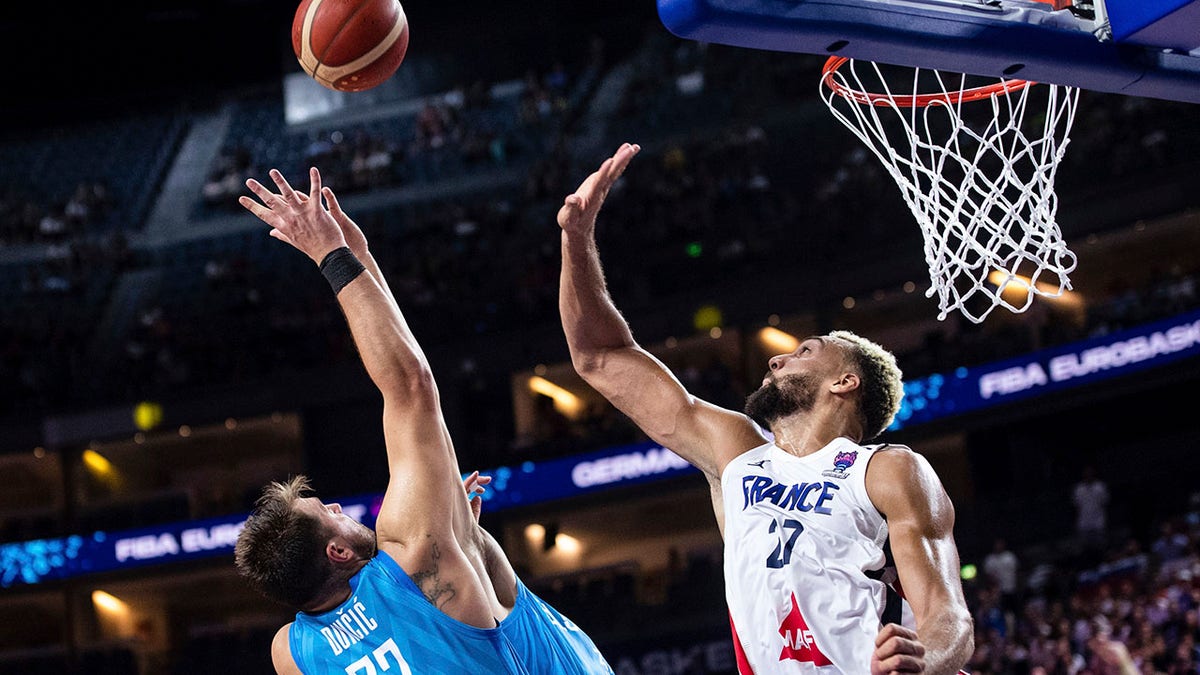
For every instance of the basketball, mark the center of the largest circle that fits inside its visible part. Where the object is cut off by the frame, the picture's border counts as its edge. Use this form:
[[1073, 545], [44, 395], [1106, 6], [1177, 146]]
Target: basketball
[[350, 45]]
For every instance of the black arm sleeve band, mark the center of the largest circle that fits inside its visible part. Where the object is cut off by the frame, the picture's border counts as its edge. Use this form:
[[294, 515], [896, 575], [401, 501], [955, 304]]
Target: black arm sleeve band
[[340, 267]]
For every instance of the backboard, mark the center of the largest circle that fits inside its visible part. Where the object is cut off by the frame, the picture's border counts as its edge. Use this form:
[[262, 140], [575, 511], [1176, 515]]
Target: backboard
[[1147, 48]]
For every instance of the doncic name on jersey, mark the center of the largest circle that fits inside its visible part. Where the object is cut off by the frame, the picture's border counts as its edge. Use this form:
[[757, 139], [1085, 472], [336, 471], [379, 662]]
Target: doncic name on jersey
[[351, 626]]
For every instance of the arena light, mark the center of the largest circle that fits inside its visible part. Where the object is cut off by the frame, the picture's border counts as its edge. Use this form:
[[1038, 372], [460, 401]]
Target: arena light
[[97, 463], [1019, 286], [568, 545], [109, 603], [147, 415], [535, 533], [777, 340], [566, 402], [707, 317]]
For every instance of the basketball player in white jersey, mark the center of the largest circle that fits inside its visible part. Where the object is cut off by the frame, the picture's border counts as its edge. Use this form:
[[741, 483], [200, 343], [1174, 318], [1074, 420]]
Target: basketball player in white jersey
[[808, 514]]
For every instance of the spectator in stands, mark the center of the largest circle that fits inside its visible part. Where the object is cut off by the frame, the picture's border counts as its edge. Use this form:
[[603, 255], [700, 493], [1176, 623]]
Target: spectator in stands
[[1090, 496], [429, 588], [1001, 566], [232, 166]]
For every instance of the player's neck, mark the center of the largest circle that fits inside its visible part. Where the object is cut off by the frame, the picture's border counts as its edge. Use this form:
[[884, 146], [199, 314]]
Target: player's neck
[[336, 596], [802, 436]]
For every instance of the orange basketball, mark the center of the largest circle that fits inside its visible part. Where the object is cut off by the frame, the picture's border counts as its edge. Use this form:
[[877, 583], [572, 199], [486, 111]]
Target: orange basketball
[[350, 45]]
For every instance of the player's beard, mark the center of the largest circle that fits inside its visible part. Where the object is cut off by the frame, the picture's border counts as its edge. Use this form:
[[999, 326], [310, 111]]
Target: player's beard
[[781, 397], [364, 542]]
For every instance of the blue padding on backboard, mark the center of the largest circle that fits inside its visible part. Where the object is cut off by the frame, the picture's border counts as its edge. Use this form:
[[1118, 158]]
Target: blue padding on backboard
[[1173, 24], [1017, 38], [1129, 17]]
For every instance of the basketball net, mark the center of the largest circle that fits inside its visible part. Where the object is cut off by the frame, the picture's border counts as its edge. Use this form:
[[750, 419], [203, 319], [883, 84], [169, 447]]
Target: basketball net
[[978, 177]]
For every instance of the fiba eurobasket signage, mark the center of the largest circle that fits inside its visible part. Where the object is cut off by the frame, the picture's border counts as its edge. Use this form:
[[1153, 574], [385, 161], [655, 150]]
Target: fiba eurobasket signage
[[1051, 370], [43, 560], [534, 482], [925, 399]]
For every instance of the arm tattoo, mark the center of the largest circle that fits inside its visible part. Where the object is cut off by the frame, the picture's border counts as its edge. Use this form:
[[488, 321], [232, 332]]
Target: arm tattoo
[[436, 590]]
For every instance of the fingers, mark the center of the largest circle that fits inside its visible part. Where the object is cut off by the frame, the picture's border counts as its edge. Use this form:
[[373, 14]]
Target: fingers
[[595, 183], [282, 237], [898, 650], [614, 166], [285, 189], [894, 630], [621, 160], [902, 663], [595, 187], [474, 483], [334, 207], [314, 182], [263, 213]]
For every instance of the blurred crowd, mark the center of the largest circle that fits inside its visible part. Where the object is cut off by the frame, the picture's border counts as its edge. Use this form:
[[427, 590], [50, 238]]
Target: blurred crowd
[[470, 128], [25, 219], [1055, 616], [240, 309]]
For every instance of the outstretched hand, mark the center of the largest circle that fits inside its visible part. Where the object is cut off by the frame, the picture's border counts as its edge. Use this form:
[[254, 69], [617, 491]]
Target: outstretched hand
[[579, 210], [300, 219]]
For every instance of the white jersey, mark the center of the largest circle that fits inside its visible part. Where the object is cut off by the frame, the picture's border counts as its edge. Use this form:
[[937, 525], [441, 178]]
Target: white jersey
[[808, 576]]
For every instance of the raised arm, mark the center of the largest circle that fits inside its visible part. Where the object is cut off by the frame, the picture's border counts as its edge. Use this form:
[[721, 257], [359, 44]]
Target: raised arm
[[605, 354], [424, 492], [920, 520]]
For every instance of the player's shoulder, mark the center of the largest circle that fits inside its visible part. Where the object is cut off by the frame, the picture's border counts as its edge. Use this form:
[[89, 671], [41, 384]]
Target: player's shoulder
[[281, 652], [895, 464]]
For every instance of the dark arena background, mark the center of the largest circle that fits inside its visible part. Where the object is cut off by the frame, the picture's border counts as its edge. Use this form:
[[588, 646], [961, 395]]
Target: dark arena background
[[162, 358]]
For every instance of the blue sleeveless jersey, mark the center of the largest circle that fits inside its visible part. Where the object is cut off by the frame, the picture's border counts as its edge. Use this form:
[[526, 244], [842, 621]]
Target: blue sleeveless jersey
[[388, 626]]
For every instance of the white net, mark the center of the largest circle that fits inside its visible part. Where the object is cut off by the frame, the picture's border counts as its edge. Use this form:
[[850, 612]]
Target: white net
[[976, 164]]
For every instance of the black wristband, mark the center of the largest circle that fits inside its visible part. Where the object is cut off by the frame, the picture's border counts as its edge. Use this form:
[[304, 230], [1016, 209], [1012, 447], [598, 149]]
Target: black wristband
[[340, 267]]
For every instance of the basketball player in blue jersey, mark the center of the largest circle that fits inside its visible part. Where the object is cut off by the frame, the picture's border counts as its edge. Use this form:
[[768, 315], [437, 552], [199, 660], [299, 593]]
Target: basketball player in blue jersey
[[839, 557], [429, 591]]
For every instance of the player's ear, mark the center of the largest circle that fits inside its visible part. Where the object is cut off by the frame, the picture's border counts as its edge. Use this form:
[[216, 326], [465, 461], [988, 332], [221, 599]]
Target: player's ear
[[338, 552], [846, 383]]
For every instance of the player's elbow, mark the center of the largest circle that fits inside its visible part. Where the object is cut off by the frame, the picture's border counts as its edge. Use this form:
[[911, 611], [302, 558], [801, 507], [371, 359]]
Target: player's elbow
[[599, 371], [589, 363], [964, 629], [414, 383]]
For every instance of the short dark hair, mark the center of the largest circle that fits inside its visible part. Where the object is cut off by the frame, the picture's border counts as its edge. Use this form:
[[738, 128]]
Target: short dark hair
[[882, 383], [281, 550]]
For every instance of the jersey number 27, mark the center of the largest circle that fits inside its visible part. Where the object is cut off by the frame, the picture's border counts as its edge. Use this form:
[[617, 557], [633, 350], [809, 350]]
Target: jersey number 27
[[782, 554]]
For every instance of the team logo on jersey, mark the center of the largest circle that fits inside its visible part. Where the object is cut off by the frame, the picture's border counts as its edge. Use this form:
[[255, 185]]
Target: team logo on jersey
[[841, 462], [798, 641]]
